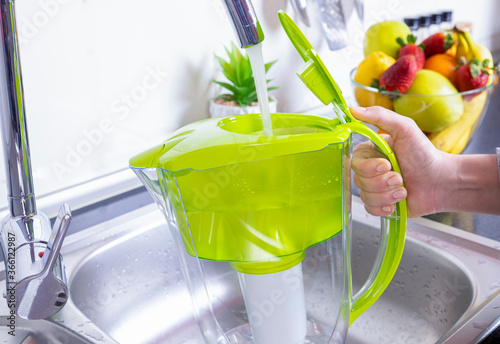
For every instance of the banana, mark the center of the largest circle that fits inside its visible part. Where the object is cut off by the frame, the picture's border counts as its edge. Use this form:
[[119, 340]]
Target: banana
[[463, 49], [469, 50], [460, 144], [455, 137], [447, 138]]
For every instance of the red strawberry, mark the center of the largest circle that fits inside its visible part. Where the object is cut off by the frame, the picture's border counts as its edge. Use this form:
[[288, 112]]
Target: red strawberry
[[410, 48], [400, 75], [437, 43], [471, 76]]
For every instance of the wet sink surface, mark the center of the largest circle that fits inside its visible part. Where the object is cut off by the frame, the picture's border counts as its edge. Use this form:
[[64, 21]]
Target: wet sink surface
[[128, 283]]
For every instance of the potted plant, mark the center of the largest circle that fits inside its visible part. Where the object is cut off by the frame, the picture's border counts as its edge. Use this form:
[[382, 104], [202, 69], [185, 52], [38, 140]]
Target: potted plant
[[242, 95]]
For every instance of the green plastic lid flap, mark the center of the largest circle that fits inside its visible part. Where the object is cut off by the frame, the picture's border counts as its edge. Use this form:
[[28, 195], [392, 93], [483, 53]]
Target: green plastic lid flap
[[314, 73]]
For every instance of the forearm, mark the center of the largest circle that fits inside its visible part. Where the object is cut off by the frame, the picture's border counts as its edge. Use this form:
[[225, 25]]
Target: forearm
[[472, 185]]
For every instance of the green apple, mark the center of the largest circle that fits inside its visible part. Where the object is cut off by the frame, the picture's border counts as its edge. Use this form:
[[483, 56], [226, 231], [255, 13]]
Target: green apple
[[382, 37], [432, 101]]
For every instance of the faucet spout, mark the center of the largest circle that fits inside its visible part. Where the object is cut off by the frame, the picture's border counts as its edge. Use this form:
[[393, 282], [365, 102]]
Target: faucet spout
[[245, 23], [36, 286], [20, 188]]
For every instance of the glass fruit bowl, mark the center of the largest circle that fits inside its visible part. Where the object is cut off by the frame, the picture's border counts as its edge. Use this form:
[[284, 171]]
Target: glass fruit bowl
[[448, 120]]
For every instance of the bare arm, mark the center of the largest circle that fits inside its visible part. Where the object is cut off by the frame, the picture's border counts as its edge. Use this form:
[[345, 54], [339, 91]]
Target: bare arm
[[472, 186]]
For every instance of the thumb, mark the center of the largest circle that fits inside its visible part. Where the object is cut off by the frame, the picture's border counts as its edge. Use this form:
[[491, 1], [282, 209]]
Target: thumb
[[384, 119]]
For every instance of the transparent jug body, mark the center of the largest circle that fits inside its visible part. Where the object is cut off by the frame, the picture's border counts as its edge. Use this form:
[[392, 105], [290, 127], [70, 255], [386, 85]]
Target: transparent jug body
[[280, 226], [263, 226]]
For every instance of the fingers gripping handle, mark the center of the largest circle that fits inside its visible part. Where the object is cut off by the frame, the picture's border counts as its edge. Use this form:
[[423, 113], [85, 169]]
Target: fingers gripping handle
[[392, 243]]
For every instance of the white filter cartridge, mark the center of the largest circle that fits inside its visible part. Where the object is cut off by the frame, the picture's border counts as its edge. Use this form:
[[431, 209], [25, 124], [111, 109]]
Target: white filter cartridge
[[276, 306]]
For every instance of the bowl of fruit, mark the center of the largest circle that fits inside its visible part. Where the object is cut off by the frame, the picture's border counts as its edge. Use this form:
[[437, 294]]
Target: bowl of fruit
[[443, 83]]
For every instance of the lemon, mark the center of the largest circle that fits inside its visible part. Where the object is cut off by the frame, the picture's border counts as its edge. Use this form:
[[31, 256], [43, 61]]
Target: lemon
[[371, 68], [432, 101], [382, 36]]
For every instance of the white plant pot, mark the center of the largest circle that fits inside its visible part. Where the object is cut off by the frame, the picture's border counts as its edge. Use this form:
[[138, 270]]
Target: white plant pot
[[221, 110]]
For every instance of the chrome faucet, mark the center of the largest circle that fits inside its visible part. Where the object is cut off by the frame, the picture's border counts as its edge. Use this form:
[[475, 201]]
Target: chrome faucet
[[35, 276], [245, 23]]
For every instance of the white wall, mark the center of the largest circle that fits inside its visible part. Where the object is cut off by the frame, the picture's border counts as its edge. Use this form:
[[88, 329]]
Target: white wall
[[107, 79]]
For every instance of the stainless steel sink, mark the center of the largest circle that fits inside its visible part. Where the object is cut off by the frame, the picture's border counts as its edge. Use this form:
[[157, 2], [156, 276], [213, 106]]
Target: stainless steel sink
[[127, 286]]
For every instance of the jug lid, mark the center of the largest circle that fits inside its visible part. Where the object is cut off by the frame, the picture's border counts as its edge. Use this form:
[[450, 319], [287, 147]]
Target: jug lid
[[314, 73], [219, 142]]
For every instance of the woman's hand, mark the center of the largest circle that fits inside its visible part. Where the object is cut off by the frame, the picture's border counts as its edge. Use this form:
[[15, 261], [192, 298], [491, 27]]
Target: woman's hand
[[420, 162]]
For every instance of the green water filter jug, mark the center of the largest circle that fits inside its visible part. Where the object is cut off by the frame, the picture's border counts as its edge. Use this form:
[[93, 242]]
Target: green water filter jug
[[263, 226], [263, 223]]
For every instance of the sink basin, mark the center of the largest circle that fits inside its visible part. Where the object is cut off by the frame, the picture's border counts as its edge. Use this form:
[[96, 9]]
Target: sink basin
[[127, 287], [128, 282], [429, 293]]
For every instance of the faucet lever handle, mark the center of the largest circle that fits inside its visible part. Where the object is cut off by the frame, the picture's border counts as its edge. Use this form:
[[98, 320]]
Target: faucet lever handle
[[57, 236], [51, 286]]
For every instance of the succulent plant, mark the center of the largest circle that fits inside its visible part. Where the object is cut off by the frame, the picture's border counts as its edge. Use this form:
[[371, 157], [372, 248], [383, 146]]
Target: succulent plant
[[238, 72]]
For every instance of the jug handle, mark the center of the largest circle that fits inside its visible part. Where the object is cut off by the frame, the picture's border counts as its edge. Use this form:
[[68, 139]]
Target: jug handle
[[385, 267]]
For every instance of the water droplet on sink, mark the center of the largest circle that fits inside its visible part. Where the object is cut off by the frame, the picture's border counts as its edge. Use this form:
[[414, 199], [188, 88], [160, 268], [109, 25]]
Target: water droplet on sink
[[480, 325], [481, 261], [93, 333]]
